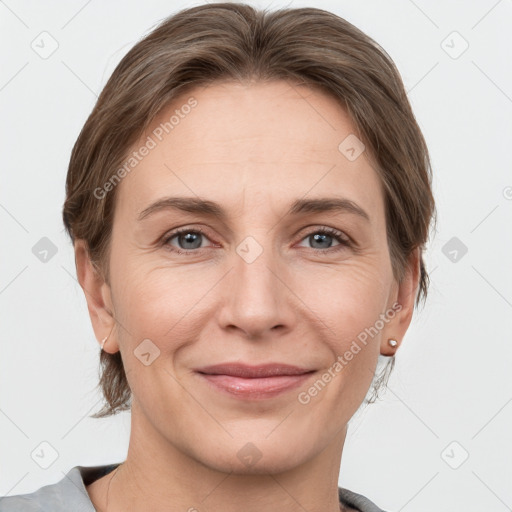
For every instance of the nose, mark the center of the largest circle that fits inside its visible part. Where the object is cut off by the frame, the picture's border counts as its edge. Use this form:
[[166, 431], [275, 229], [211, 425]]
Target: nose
[[257, 301]]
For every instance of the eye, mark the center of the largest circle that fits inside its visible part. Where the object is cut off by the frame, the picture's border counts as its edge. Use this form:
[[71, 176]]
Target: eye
[[189, 240], [321, 238]]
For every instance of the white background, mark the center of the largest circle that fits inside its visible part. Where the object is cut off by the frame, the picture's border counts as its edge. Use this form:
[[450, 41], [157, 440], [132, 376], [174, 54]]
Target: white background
[[452, 380]]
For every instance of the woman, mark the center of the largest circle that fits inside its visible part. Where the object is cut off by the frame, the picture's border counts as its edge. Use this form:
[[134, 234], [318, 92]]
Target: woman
[[249, 202]]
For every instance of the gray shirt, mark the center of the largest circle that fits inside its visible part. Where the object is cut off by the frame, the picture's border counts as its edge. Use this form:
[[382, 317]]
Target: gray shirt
[[70, 494]]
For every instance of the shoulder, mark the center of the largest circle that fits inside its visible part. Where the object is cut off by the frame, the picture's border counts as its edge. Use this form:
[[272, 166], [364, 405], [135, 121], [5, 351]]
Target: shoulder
[[60, 496], [357, 501], [71, 490]]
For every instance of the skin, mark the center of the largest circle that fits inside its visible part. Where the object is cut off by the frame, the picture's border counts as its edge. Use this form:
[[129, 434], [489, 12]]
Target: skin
[[254, 148]]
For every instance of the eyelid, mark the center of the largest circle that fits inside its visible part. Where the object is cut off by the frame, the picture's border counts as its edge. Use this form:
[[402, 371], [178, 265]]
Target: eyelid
[[321, 228], [344, 240], [169, 235]]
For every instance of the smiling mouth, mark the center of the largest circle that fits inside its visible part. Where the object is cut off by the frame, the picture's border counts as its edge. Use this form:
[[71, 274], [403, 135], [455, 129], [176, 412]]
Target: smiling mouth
[[254, 382]]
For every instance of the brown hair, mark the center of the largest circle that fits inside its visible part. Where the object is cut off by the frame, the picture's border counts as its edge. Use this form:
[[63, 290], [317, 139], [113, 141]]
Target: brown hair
[[234, 41]]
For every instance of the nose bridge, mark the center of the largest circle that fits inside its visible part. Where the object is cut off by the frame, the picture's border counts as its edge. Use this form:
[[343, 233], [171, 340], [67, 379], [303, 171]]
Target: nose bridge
[[256, 297], [254, 263]]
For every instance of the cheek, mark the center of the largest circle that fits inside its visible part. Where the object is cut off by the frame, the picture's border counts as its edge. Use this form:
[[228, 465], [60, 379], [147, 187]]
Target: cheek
[[155, 299], [352, 294], [350, 305], [158, 302], [152, 311]]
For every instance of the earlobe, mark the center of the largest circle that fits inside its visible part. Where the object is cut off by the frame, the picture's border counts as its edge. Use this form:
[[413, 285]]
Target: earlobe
[[97, 295], [402, 304]]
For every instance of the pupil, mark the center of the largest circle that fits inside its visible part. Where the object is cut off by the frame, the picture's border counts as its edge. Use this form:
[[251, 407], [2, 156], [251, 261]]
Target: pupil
[[191, 237], [320, 237]]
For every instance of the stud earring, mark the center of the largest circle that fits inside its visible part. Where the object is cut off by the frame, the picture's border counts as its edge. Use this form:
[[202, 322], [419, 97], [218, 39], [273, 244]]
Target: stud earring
[[392, 343]]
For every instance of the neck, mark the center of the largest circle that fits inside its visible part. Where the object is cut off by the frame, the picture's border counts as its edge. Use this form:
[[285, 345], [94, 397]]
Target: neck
[[158, 476]]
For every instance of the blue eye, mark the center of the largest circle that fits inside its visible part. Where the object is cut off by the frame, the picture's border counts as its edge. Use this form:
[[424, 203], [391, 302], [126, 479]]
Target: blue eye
[[191, 240], [324, 235], [189, 237]]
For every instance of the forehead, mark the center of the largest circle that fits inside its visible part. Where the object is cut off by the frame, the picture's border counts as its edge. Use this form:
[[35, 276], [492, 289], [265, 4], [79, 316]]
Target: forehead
[[262, 142]]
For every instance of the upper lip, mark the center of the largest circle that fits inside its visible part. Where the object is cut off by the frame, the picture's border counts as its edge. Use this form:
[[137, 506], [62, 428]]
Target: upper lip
[[251, 372]]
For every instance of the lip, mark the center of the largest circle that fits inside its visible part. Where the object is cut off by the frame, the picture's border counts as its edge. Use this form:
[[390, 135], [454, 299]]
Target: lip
[[247, 371], [254, 382]]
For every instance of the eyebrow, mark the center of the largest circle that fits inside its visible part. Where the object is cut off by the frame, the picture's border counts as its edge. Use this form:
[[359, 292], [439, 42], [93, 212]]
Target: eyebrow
[[212, 209]]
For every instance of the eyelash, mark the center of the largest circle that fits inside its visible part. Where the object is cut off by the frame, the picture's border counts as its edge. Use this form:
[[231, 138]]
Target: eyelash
[[339, 236]]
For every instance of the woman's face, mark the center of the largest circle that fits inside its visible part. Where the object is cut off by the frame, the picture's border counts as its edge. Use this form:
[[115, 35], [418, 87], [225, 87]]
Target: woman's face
[[256, 280]]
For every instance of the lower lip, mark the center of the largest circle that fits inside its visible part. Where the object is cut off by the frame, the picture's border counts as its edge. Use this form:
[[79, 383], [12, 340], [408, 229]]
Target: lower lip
[[258, 388]]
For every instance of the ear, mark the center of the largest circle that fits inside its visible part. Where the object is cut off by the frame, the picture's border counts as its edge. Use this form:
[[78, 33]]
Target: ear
[[401, 302], [98, 297]]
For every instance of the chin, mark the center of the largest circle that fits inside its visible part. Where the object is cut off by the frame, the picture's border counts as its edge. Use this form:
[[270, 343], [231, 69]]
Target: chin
[[255, 456]]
